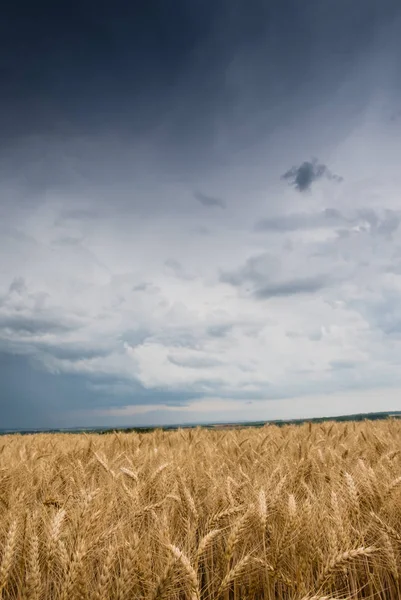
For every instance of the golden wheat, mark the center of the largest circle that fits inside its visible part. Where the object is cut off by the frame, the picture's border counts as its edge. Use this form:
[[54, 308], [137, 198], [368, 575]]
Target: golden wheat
[[307, 512]]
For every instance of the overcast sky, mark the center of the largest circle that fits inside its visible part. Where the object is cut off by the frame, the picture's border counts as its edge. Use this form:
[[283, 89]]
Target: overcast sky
[[200, 210]]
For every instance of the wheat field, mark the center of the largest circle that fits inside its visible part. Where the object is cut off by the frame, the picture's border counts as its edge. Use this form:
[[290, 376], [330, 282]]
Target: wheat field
[[295, 512]]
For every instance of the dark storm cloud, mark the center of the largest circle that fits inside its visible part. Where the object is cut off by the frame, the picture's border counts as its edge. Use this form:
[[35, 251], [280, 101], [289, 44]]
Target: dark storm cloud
[[77, 49], [308, 172], [32, 397], [209, 201], [179, 69]]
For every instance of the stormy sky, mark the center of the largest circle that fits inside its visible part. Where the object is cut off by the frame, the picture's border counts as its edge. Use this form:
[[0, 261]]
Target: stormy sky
[[200, 208]]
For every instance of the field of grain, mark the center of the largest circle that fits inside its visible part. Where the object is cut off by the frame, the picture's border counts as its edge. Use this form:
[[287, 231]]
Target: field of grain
[[294, 512]]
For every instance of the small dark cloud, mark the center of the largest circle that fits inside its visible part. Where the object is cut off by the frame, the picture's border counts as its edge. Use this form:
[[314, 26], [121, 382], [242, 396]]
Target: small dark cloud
[[291, 287], [342, 364], [260, 272], [177, 269], [18, 285], [209, 201], [219, 331], [173, 264], [195, 362], [142, 287], [308, 172]]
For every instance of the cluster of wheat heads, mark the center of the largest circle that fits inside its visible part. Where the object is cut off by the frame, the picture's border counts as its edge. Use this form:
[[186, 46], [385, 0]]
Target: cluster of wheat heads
[[298, 512]]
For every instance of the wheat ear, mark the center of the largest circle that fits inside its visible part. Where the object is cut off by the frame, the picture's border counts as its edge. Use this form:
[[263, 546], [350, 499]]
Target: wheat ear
[[8, 555], [343, 559], [102, 592], [189, 570], [235, 573]]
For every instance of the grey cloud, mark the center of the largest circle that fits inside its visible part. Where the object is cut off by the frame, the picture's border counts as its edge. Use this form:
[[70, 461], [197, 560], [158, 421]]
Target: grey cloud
[[386, 225], [24, 312], [219, 331], [143, 287], [306, 285], [72, 351], [177, 269], [262, 273], [342, 364], [35, 325], [68, 241], [195, 362], [383, 313], [178, 338], [209, 201], [257, 270], [18, 285], [295, 221], [383, 223], [173, 264], [77, 214], [308, 172], [314, 336], [135, 337]]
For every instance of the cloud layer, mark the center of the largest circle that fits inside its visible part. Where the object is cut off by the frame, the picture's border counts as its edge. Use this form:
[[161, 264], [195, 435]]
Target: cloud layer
[[161, 261]]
